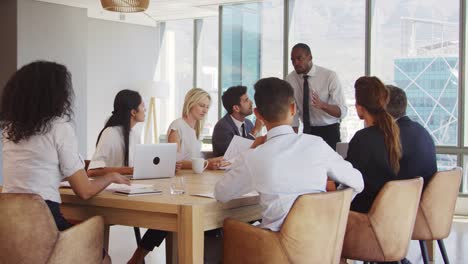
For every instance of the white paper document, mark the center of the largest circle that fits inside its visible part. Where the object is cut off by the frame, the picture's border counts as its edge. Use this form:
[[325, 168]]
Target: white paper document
[[236, 147]]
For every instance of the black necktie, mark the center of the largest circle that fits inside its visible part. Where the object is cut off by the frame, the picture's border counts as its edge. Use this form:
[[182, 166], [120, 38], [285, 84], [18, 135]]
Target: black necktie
[[243, 130], [305, 105]]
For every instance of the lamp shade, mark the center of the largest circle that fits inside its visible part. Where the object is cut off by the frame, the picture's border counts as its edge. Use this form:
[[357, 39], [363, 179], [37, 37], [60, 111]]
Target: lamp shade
[[125, 6], [158, 89]]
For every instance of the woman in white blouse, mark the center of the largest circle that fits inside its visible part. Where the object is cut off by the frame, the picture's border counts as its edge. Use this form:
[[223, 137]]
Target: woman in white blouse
[[186, 131], [116, 145], [40, 148], [116, 142]]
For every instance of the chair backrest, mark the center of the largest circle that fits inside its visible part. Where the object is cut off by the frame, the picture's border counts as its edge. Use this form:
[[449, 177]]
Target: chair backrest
[[27, 229], [393, 215], [313, 231], [435, 213]]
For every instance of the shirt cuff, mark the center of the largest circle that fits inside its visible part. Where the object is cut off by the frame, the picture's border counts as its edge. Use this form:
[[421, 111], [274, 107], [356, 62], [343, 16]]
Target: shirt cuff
[[344, 111]]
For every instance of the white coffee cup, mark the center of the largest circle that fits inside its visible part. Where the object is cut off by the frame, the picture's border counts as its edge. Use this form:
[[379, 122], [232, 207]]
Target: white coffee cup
[[199, 165]]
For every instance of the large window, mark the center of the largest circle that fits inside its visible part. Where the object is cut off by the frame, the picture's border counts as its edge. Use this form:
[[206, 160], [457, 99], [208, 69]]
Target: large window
[[415, 46], [175, 68], [334, 31], [252, 41], [206, 40]]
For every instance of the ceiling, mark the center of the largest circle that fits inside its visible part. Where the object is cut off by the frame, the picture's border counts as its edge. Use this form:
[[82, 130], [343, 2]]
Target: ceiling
[[158, 10]]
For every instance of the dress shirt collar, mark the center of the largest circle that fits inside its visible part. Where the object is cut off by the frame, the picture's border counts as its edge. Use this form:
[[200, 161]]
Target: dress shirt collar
[[403, 118], [279, 131], [237, 123], [311, 72]]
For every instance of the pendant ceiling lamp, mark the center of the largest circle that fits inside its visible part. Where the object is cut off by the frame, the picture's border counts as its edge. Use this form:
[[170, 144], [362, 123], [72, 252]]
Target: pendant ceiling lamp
[[125, 6]]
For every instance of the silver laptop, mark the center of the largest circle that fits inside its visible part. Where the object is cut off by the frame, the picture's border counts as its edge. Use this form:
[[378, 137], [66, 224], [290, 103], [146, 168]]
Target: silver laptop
[[154, 161], [342, 149]]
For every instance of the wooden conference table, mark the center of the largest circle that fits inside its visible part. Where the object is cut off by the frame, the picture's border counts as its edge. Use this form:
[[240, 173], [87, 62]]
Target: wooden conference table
[[186, 216]]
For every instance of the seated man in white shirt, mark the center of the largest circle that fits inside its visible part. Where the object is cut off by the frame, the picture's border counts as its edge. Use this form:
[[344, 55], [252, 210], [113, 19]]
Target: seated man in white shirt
[[283, 165]]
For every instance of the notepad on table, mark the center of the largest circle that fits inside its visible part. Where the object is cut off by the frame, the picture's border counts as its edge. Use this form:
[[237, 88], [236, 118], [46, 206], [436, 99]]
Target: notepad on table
[[136, 191]]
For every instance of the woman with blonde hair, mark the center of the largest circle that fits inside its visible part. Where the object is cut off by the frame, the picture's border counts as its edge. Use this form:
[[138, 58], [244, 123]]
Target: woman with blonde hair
[[375, 150], [186, 131]]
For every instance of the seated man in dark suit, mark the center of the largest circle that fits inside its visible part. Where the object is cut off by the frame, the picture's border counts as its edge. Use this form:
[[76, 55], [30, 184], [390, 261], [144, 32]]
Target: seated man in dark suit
[[419, 156], [238, 107]]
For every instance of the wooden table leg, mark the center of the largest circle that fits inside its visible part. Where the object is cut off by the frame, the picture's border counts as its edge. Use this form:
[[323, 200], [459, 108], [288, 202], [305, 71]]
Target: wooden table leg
[[171, 248], [190, 234]]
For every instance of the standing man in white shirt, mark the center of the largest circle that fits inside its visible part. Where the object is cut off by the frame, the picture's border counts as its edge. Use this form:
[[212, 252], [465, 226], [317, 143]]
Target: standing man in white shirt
[[319, 96], [274, 167]]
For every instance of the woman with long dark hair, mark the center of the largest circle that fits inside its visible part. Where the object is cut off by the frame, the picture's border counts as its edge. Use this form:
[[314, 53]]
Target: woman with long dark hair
[[375, 150], [40, 148], [116, 142]]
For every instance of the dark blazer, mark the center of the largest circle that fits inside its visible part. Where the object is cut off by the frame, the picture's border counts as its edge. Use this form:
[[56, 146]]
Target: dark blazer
[[419, 154], [368, 154], [224, 131]]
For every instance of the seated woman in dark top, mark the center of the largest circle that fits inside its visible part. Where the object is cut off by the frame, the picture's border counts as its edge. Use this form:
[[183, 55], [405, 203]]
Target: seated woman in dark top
[[375, 150]]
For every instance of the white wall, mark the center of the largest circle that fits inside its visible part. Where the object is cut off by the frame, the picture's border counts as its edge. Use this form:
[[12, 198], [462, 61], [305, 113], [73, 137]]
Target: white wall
[[57, 33], [103, 57], [120, 56]]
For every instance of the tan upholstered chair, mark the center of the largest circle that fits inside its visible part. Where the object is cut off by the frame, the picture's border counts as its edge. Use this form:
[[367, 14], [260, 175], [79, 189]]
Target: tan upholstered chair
[[28, 234], [384, 233], [435, 213], [312, 232]]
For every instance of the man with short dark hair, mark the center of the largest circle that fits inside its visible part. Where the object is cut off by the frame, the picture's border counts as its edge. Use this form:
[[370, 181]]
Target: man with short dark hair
[[319, 96], [283, 165], [419, 156], [238, 107]]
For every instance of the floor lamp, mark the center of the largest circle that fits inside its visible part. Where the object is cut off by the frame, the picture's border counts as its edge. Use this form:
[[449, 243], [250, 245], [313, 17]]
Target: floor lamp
[[153, 90]]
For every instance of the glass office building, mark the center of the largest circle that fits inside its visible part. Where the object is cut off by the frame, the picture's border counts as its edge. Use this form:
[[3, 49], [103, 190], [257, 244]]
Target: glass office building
[[431, 85]]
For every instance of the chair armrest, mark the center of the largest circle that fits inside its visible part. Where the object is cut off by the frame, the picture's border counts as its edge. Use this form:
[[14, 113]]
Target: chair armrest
[[82, 243], [244, 243]]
